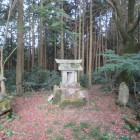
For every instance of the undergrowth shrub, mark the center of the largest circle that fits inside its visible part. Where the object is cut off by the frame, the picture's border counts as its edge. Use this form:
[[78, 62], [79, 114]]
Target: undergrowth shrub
[[41, 79], [121, 67], [33, 81], [98, 78], [84, 81], [10, 81]]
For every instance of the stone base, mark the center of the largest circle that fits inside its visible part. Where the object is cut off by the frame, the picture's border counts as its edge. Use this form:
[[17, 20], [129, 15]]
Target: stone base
[[71, 104], [69, 95]]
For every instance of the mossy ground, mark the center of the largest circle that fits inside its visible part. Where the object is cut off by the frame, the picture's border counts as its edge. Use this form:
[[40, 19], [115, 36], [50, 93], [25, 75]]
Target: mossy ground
[[71, 104]]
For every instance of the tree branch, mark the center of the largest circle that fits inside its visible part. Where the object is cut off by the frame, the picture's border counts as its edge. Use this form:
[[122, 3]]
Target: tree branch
[[132, 29], [119, 25], [110, 3], [10, 55]]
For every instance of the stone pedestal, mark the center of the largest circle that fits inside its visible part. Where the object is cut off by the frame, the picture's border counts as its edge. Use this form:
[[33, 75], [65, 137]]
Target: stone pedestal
[[69, 96]]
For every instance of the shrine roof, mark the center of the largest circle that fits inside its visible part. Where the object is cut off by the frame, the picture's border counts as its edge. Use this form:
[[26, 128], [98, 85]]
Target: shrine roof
[[68, 61]]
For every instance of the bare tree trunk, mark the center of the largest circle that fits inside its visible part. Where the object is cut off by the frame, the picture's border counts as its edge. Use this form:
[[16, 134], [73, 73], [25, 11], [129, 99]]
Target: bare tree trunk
[[40, 49], [20, 53], [75, 42], [90, 49], [33, 42], [79, 51], [28, 52], [62, 35], [96, 53], [99, 43], [83, 41], [87, 51], [55, 55]]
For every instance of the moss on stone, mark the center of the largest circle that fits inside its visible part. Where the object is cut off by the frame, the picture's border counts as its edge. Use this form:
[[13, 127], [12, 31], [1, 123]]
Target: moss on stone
[[76, 95], [4, 107], [71, 104], [57, 96]]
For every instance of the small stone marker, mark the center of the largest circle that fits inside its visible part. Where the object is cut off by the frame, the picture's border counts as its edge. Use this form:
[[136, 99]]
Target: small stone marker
[[123, 96]]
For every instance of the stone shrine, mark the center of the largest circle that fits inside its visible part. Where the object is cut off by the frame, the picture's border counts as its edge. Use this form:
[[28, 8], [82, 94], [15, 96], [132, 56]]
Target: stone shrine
[[69, 70], [69, 94]]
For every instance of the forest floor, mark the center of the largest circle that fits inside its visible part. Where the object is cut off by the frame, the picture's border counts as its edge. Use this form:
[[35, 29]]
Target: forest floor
[[36, 119]]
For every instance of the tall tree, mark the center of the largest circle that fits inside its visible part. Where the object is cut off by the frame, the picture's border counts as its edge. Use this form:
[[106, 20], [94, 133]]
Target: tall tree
[[83, 41], [126, 29], [33, 42], [80, 13], [40, 38], [90, 49], [62, 34], [20, 50]]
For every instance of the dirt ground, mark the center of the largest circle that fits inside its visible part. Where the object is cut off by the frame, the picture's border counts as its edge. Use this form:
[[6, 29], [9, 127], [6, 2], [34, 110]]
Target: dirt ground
[[36, 119]]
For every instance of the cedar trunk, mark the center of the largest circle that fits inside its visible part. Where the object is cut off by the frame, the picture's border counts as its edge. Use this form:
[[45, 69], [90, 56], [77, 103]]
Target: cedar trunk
[[20, 53]]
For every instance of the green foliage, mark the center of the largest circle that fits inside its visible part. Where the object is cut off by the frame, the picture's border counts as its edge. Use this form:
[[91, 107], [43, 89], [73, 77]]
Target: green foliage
[[125, 138], [84, 131], [135, 130], [57, 138], [56, 122], [70, 124], [34, 80], [49, 131], [84, 81], [10, 81], [15, 116], [9, 132], [126, 61], [36, 124], [132, 103], [98, 78], [122, 66], [60, 138]]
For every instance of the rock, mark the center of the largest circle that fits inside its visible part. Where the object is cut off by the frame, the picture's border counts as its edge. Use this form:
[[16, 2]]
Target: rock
[[55, 87], [4, 107], [132, 123], [1, 98], [76, 95], [50, 97], [71, 104], [123, 96]]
